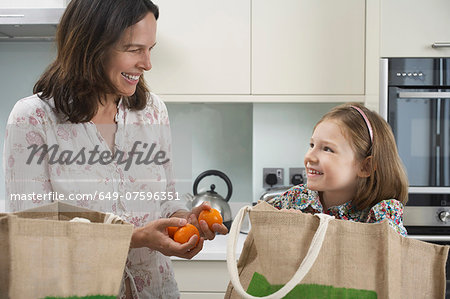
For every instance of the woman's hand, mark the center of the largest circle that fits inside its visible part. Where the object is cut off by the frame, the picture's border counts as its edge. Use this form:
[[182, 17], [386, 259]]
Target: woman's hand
[[202, 226], [154, 236]]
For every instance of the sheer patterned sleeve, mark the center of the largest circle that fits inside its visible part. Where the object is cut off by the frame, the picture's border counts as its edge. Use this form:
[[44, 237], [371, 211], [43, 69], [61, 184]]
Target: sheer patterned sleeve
[[26, 172]]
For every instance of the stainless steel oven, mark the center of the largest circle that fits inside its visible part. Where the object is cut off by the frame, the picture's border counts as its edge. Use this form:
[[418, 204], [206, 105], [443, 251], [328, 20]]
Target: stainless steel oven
[[415, 100]]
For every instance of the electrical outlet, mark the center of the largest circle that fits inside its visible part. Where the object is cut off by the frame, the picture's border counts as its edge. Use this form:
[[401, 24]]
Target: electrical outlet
[[297, 175], [273, 177]]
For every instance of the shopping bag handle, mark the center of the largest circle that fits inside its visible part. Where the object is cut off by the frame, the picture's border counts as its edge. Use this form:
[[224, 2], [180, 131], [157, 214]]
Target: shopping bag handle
[[303, 269]]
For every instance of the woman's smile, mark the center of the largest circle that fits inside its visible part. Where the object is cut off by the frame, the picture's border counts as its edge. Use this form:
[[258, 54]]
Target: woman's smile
[[132, 79]]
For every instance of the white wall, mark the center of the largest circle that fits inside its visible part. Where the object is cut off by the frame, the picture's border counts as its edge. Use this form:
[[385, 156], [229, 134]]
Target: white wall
[[21, 64]]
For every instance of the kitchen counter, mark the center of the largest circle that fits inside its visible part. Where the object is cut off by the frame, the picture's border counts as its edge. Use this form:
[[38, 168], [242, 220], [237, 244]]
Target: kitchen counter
[[206, 276], [216, 250]]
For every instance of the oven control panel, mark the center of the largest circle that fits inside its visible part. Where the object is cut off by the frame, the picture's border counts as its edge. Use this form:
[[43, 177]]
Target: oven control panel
[[415, 75], [415, 72], [426, 216]]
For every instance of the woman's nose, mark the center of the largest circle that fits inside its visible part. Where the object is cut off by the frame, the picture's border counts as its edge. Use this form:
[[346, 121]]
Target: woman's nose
[[145, 62]]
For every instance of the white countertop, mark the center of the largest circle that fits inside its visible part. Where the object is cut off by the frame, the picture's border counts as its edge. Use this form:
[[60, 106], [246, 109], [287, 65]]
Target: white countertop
[[216, 250]]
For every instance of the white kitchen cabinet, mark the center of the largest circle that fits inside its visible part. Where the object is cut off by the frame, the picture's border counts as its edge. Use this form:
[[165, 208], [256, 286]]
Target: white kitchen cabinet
[[308, 47], [202, 295], [410, 27], [201, 279], [33, 3], [203, 47]]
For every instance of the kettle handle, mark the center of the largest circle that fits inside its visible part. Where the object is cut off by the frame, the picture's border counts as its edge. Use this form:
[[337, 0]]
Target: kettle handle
[[217, 173]]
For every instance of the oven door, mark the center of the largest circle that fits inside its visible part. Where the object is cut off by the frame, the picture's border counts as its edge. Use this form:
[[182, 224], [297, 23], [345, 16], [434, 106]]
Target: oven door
[[420, 121]]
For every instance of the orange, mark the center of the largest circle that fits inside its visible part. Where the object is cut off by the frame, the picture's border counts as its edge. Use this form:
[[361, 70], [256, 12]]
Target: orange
[[183, 234], [171, 230], [212, 216]]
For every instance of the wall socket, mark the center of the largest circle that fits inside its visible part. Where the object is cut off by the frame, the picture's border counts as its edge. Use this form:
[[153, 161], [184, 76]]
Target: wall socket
[[273, 177], [297, 175]]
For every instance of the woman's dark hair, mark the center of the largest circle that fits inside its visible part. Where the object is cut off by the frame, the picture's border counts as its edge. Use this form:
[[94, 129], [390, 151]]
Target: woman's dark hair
[[88, 30]]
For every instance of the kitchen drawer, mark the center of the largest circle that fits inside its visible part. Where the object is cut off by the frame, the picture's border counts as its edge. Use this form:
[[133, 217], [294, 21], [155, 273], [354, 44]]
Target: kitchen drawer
[[201, 276]]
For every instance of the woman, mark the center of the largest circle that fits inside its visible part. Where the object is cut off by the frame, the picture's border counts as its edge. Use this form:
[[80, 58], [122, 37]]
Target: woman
[[92, 131]]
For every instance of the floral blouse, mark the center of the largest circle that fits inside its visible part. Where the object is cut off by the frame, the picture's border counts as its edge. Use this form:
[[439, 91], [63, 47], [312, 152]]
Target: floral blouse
[[134, 191], [301, 198]]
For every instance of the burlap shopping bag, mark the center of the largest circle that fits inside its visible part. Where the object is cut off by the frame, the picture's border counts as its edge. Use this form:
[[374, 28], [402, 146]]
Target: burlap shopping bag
[[42, 254], [300, 255]]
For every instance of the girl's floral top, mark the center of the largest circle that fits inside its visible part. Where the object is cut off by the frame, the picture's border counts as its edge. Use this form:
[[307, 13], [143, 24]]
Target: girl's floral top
[[125, 189], [301, 198]]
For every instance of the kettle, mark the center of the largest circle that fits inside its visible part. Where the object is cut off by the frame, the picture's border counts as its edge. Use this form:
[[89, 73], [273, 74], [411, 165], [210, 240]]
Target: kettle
[[215, 200]]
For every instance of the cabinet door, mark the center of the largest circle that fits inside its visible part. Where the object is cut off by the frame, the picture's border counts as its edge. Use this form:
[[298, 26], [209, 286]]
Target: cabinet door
[[410, 27], [308, 47], [33, 3], [203, 47]]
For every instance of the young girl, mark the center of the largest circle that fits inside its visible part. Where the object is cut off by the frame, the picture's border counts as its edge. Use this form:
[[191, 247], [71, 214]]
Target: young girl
[[353, 170]]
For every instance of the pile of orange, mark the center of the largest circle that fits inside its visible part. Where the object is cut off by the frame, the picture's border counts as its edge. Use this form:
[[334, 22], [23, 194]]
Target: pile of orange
[[184, 233]]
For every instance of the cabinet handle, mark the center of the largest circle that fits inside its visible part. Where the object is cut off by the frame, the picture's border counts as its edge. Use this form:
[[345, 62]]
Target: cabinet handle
[[428, 190], [12, 16], [424, 95], [441, 45]]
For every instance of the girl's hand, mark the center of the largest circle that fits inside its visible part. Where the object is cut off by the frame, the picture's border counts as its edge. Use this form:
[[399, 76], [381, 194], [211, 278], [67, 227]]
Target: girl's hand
[[154, 236], [202, 226]]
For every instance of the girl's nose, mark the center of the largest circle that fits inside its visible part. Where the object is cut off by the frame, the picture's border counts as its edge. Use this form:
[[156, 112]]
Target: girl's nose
[[310, 156]]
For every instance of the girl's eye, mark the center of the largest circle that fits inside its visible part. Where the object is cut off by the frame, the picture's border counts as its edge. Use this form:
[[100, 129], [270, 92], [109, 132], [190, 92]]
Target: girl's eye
[[311, 145], [327, 149]]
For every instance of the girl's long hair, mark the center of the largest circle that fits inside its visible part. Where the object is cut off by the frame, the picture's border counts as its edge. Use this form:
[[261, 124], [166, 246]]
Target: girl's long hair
[[388, 179], [87, 32]]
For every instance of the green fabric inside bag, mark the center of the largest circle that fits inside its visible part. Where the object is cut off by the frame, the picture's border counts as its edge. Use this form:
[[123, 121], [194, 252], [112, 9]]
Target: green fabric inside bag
[[259, 286]]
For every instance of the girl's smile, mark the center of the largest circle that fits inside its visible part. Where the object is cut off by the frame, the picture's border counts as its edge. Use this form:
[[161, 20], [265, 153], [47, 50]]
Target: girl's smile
[[312, 172]]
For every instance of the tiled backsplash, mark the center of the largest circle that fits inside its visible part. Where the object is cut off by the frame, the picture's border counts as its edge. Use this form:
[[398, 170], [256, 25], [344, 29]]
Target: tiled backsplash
[[213, 136]]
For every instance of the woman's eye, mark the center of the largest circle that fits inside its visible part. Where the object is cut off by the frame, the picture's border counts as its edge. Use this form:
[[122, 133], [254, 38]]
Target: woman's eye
[[327, 149], [311, 145]]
